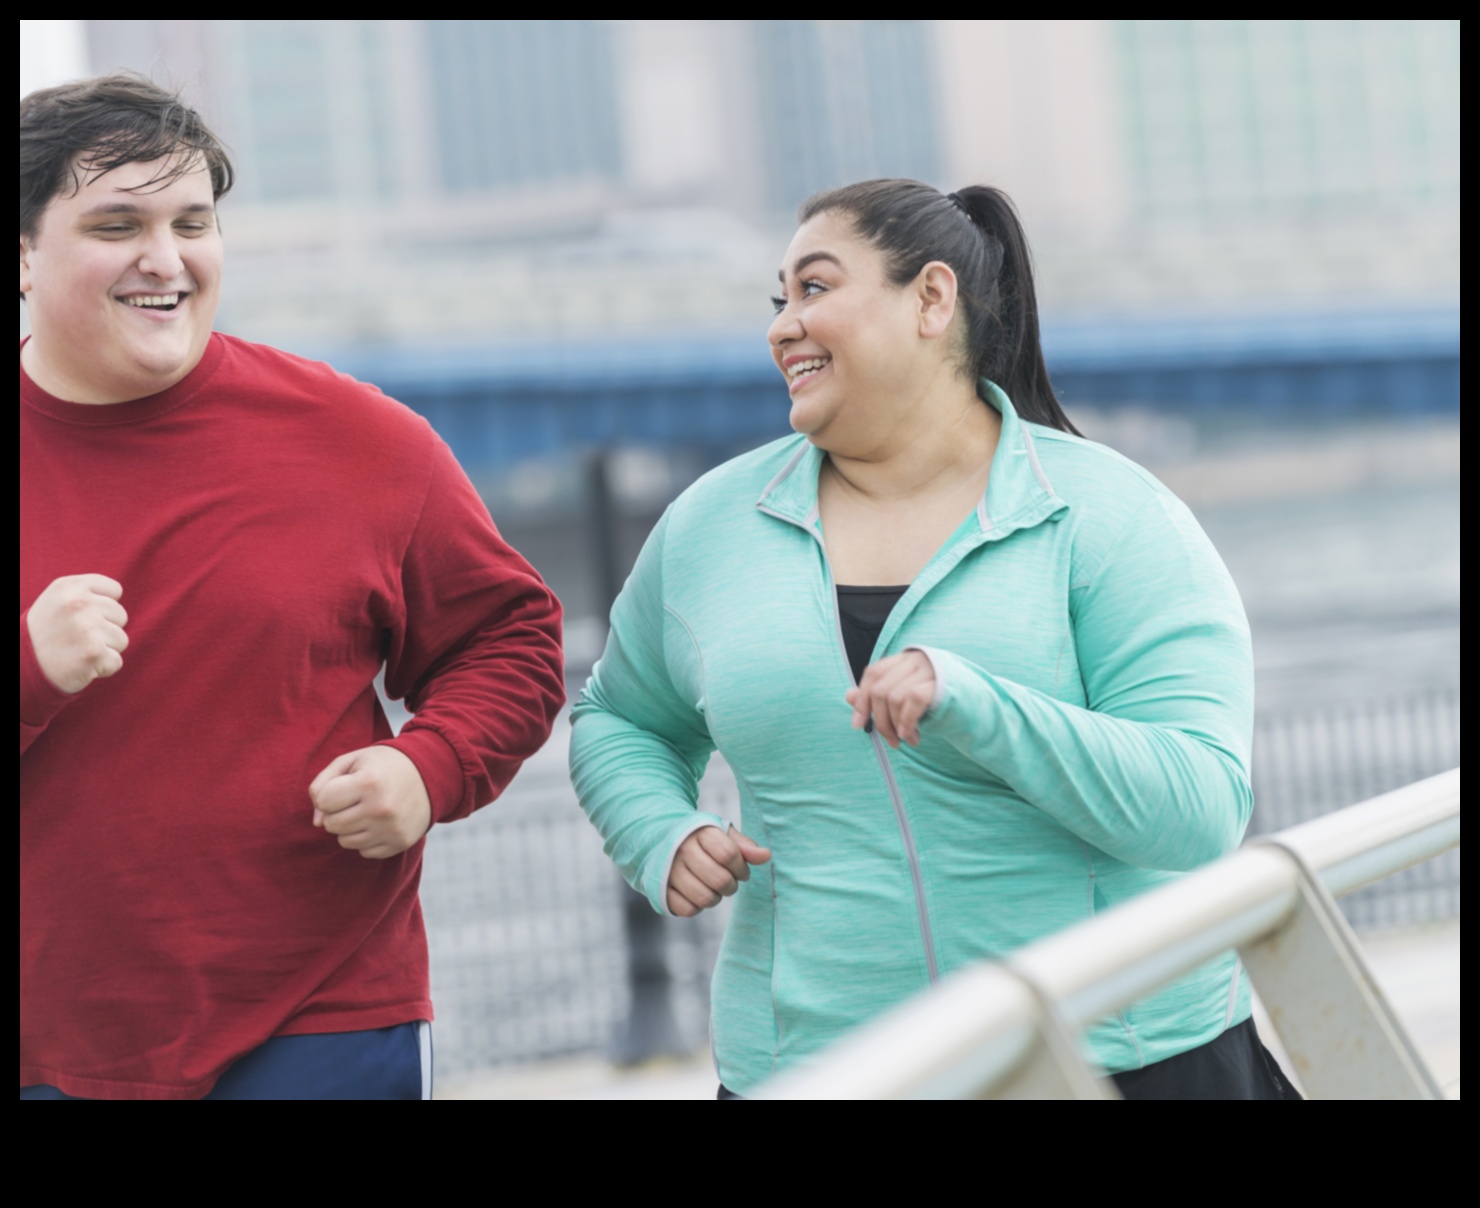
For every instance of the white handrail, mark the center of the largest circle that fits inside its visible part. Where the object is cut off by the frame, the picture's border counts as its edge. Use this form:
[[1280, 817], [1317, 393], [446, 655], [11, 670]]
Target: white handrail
[[972, 1032]]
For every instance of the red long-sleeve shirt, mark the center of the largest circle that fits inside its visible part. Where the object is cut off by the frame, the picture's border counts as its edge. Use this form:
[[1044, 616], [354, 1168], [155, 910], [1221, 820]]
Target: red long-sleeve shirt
[[280, 531]]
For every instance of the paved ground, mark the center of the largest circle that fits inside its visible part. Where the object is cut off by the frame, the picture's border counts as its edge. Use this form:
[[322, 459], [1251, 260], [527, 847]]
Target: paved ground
[[1418, 970]]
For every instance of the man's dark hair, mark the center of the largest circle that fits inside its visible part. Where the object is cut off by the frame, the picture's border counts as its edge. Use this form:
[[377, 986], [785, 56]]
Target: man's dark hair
[[976, 231], [75, 131]]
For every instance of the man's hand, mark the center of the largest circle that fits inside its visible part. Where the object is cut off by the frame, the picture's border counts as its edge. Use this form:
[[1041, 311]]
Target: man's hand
[[710, 865], [374, 800], [895, 692], [76, 627]]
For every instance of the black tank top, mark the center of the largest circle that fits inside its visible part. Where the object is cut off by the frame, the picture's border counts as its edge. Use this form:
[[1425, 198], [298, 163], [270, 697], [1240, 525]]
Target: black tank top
[[863, 611]]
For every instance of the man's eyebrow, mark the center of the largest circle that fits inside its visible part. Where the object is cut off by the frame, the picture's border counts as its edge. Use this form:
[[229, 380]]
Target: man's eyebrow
[[128, 207], [809, 258]]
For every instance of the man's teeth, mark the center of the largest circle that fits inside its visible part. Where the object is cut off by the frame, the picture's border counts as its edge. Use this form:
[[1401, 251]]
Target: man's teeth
[[153, 300], [802, 367]]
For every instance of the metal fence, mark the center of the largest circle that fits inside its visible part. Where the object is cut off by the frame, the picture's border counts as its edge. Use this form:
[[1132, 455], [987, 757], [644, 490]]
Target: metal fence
[[1011, 1029], [1311, 763], [525, 913]]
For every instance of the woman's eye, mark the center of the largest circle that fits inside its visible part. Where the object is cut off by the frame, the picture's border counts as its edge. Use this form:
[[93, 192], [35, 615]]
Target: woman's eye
[[809, 289]]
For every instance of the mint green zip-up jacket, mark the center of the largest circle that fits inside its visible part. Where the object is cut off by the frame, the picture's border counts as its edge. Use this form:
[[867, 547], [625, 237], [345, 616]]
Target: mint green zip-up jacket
[[1088, 740]]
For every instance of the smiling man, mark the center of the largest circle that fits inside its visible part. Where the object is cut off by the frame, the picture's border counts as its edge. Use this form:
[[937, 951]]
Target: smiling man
[[222, 546]]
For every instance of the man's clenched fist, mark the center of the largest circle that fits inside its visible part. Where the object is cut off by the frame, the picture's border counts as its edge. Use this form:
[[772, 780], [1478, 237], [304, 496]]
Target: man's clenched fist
[[76, 627], [374, 800]]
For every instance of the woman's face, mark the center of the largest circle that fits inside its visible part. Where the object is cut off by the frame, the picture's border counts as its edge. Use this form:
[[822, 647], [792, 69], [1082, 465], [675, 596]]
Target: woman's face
[[845, 338]]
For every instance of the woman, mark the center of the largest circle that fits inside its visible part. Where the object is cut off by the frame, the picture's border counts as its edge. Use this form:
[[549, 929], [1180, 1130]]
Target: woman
[[978, 678]]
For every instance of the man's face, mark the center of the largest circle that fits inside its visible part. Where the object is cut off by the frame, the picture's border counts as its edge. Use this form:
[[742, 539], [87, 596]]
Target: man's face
[[100, 276]]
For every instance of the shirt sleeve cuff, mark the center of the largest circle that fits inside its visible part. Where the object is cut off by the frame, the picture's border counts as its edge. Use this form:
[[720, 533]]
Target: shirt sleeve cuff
[[441, 770], [41, 700]]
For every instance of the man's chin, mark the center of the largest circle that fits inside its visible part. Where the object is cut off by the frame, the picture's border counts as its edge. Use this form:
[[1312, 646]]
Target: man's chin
[[162, 368]]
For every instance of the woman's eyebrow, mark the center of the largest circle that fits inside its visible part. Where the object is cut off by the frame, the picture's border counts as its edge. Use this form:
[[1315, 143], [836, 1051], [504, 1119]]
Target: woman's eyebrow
[[809, 258]]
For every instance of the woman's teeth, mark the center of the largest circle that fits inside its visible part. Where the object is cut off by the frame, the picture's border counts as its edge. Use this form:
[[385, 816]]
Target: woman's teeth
[[801, 367]]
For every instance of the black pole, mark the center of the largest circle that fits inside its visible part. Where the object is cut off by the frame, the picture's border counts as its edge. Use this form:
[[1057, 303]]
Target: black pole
[[650, 1029]]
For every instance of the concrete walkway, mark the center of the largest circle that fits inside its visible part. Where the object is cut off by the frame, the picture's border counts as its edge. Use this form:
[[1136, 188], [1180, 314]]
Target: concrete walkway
[[1418, 970]]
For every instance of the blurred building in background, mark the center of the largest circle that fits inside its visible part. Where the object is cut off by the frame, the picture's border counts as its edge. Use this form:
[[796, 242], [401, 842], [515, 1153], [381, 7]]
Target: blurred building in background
[[441, 181]]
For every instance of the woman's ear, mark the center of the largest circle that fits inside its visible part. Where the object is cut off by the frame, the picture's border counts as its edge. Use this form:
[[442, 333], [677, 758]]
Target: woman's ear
[[935, 295]]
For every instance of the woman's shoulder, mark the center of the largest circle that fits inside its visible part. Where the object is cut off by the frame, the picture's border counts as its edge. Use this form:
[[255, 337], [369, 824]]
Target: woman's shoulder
[[1106, 491], [1076, 466], [1100, 482]]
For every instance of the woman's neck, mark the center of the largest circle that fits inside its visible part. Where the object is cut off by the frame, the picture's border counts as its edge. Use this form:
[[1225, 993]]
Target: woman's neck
[[945, 442]]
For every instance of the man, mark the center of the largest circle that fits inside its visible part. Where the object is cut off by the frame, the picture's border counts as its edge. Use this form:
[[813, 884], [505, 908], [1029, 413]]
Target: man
[[221, 547]]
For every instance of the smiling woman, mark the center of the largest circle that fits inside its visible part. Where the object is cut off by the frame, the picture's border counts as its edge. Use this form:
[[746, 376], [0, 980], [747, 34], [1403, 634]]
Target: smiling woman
[[120, 253], [976, 676], [903, 227]]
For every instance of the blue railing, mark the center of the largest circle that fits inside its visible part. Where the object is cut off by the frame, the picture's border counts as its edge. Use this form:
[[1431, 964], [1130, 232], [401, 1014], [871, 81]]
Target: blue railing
[[503, 403]]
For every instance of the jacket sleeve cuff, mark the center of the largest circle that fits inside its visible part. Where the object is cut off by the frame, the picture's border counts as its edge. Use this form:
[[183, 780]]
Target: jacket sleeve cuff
[[939, 664], [440, 768], [700, 821], [41, 700]]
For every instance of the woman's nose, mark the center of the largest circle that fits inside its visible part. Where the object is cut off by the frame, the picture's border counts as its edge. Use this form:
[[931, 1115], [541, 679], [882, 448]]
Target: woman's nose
[[785, 326]]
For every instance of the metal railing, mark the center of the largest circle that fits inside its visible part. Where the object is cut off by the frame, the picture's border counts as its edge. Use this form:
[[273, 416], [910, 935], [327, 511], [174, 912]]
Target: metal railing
[[1010, 1029], [525, 914]]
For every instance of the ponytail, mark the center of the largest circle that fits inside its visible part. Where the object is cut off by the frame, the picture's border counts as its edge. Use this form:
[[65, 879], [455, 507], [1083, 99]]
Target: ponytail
[[977, 233], [1003, 324]]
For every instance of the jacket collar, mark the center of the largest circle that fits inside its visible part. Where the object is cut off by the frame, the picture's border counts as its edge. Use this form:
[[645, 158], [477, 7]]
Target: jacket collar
[[1018, 496]]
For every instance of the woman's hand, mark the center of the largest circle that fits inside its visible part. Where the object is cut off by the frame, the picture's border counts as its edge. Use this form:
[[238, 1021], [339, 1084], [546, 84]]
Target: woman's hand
[[710, 865], [895, 692]]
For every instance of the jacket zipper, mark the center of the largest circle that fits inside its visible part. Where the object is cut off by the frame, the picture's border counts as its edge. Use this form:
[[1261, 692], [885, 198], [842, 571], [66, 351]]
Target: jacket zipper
[[921, 910], [914, 857]]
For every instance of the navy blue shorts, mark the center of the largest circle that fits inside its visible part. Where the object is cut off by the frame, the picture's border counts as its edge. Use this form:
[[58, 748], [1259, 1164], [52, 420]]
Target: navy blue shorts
[[386, 1063]]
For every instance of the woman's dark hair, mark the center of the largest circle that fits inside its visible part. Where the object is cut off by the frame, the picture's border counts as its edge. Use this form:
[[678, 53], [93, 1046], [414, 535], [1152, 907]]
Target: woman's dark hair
[[93, 126], [976, 231]]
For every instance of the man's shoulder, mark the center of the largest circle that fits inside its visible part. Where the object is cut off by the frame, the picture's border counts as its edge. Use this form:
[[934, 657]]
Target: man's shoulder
[[315, 389]]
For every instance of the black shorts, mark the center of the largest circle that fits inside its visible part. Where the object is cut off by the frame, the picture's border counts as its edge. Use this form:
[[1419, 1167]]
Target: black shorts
[[1236, 1065]]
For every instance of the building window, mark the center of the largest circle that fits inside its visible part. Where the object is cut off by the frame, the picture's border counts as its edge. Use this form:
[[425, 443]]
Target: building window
[[523, 102], [842, 101]]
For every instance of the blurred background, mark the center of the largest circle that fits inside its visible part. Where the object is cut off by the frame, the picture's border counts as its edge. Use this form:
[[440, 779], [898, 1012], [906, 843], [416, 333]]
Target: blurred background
[[556, 240]]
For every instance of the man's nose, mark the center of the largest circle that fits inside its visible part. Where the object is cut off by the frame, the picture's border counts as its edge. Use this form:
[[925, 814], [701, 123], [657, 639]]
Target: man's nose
[[160, 256]]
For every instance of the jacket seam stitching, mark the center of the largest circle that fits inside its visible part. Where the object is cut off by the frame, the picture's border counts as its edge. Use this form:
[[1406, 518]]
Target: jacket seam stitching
[[1058, 664], [1115, 545], [745, 790], [1238, 969]]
